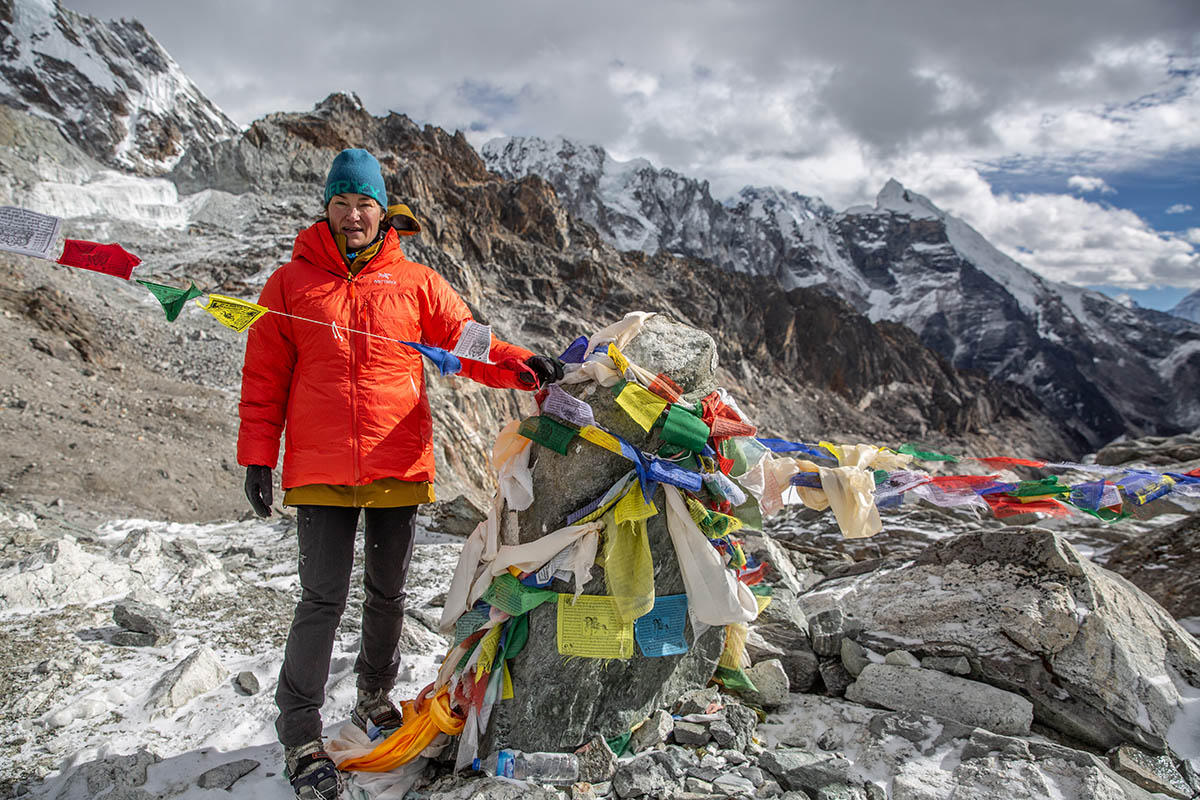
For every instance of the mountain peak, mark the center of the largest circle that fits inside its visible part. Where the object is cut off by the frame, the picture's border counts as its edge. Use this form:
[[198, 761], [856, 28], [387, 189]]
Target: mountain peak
[[109, 86], [894, 197]]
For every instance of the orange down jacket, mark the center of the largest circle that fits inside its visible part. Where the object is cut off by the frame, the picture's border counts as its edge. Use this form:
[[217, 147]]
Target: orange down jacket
[[353, 407]]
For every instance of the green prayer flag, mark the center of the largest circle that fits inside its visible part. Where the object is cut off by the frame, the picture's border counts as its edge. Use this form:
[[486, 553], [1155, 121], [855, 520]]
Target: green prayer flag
[[924, 455], [548, 432], [750, 513], [468, 623], [513, 597], [685, 429], [172, 299], [620, 742], [734, 680], [1040, 487], [518, 635]]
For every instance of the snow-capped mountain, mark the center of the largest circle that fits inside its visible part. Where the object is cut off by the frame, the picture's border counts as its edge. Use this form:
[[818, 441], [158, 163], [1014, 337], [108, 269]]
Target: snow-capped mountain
[[1188, 307], [109, 86], [1103, 368]]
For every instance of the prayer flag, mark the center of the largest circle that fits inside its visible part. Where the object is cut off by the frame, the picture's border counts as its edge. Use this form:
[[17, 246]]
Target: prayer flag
[[513, 597], [172, 299], [474, 342], [588, 627], [684, 429], [660, 632], [232, 312], [446, 362], [27, 232], [620, 361], [575, 351], [666, 388], [111, 259], [547, 432], [1005, 461], [560, 404], [924, 455], [784, 446], [642, 406]]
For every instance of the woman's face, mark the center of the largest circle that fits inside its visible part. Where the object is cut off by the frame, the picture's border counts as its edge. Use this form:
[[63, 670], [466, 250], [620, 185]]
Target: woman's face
[[355, 216]]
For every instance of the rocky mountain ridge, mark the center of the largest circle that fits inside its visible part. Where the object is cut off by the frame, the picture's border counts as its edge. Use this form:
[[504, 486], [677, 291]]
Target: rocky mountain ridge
[[108, 86], [1102, 368], [1188, 307]]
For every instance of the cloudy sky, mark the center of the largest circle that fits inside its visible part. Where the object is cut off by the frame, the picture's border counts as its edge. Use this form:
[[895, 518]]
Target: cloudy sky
[[1068, 133]]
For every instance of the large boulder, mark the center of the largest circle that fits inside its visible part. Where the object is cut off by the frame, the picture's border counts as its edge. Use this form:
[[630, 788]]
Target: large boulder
[[923, 757], [1101, 661], [561, 703]]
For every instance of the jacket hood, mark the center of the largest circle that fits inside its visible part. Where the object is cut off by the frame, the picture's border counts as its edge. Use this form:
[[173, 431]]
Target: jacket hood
[[315, 245]]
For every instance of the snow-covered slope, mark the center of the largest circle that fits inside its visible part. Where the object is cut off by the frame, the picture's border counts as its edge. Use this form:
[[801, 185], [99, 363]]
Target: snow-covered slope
[[1188, 307], [1102, 367], [109, 86]]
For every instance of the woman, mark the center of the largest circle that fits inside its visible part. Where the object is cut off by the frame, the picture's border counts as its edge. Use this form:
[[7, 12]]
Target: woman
[[358, 436]]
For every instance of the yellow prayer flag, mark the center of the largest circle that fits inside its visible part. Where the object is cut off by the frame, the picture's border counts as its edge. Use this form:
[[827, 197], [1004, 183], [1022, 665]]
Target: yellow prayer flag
[[600, 438], [763, 601], [734, 654], [644, 407], [488, 646], [232, 312], [633, 506], [833, 448], [588, 627], [506, 688], [621, 362]]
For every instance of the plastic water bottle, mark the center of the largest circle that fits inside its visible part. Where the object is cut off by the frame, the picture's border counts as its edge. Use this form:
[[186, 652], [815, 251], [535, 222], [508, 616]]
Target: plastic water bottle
[[554, 768]]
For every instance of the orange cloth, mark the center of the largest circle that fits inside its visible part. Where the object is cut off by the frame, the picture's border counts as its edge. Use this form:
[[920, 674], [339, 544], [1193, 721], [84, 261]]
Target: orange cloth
[[383, 493], [424, 719]]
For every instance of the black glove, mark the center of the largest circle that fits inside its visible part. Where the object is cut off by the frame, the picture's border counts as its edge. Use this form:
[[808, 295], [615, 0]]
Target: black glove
[[258, 489], [547, 369]]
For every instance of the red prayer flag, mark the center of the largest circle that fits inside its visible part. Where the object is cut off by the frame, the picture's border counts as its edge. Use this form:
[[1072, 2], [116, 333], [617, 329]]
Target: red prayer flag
[[963, 481], [666, 388], [1006, 461], [111, 259], [1194, 473], [1004, 506]]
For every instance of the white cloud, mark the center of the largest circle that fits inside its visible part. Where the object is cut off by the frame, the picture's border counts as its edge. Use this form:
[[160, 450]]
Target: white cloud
[[1179, 208], [1192, 235], [1086, 184]]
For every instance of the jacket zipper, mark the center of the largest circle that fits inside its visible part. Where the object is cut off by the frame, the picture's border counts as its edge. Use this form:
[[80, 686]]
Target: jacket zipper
[[354, 385]]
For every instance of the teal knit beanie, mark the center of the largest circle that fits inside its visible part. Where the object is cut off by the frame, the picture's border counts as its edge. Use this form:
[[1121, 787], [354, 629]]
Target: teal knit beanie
[[356, 171]]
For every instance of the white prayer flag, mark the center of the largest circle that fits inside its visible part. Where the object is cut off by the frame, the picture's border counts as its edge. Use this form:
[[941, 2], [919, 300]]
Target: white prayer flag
[[28, 232]]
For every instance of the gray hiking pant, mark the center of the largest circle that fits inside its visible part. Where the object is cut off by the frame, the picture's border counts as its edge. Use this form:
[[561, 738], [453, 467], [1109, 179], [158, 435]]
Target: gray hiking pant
[[326, 536]]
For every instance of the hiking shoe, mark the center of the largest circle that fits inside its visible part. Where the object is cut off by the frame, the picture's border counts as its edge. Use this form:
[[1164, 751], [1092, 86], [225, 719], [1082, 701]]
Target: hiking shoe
[[312, 773], [376, 714]]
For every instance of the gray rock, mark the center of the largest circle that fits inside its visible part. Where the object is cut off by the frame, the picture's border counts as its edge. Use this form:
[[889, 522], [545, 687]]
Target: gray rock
[[115, 776], [828, 628], [698, 701], [1155, 773], [226, 775], [492, 788], [854, 657], [957, 665], [142, 618], [781, 631], [642, 776], [744, 722], [771, 788], [679, 761], [901, 658], [771, 682], [653, 732], [731, 784], [697, 785], [247, 682], [782, 571], [139, 639], [797, 769], [959, 699], [691, 734], [735, 757], [722, 732], [753, 774], [558, 703], [835, 676], [795, 794], [841, 791], [457, 517], [597, 761], [1034, 617], [200, 672]]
